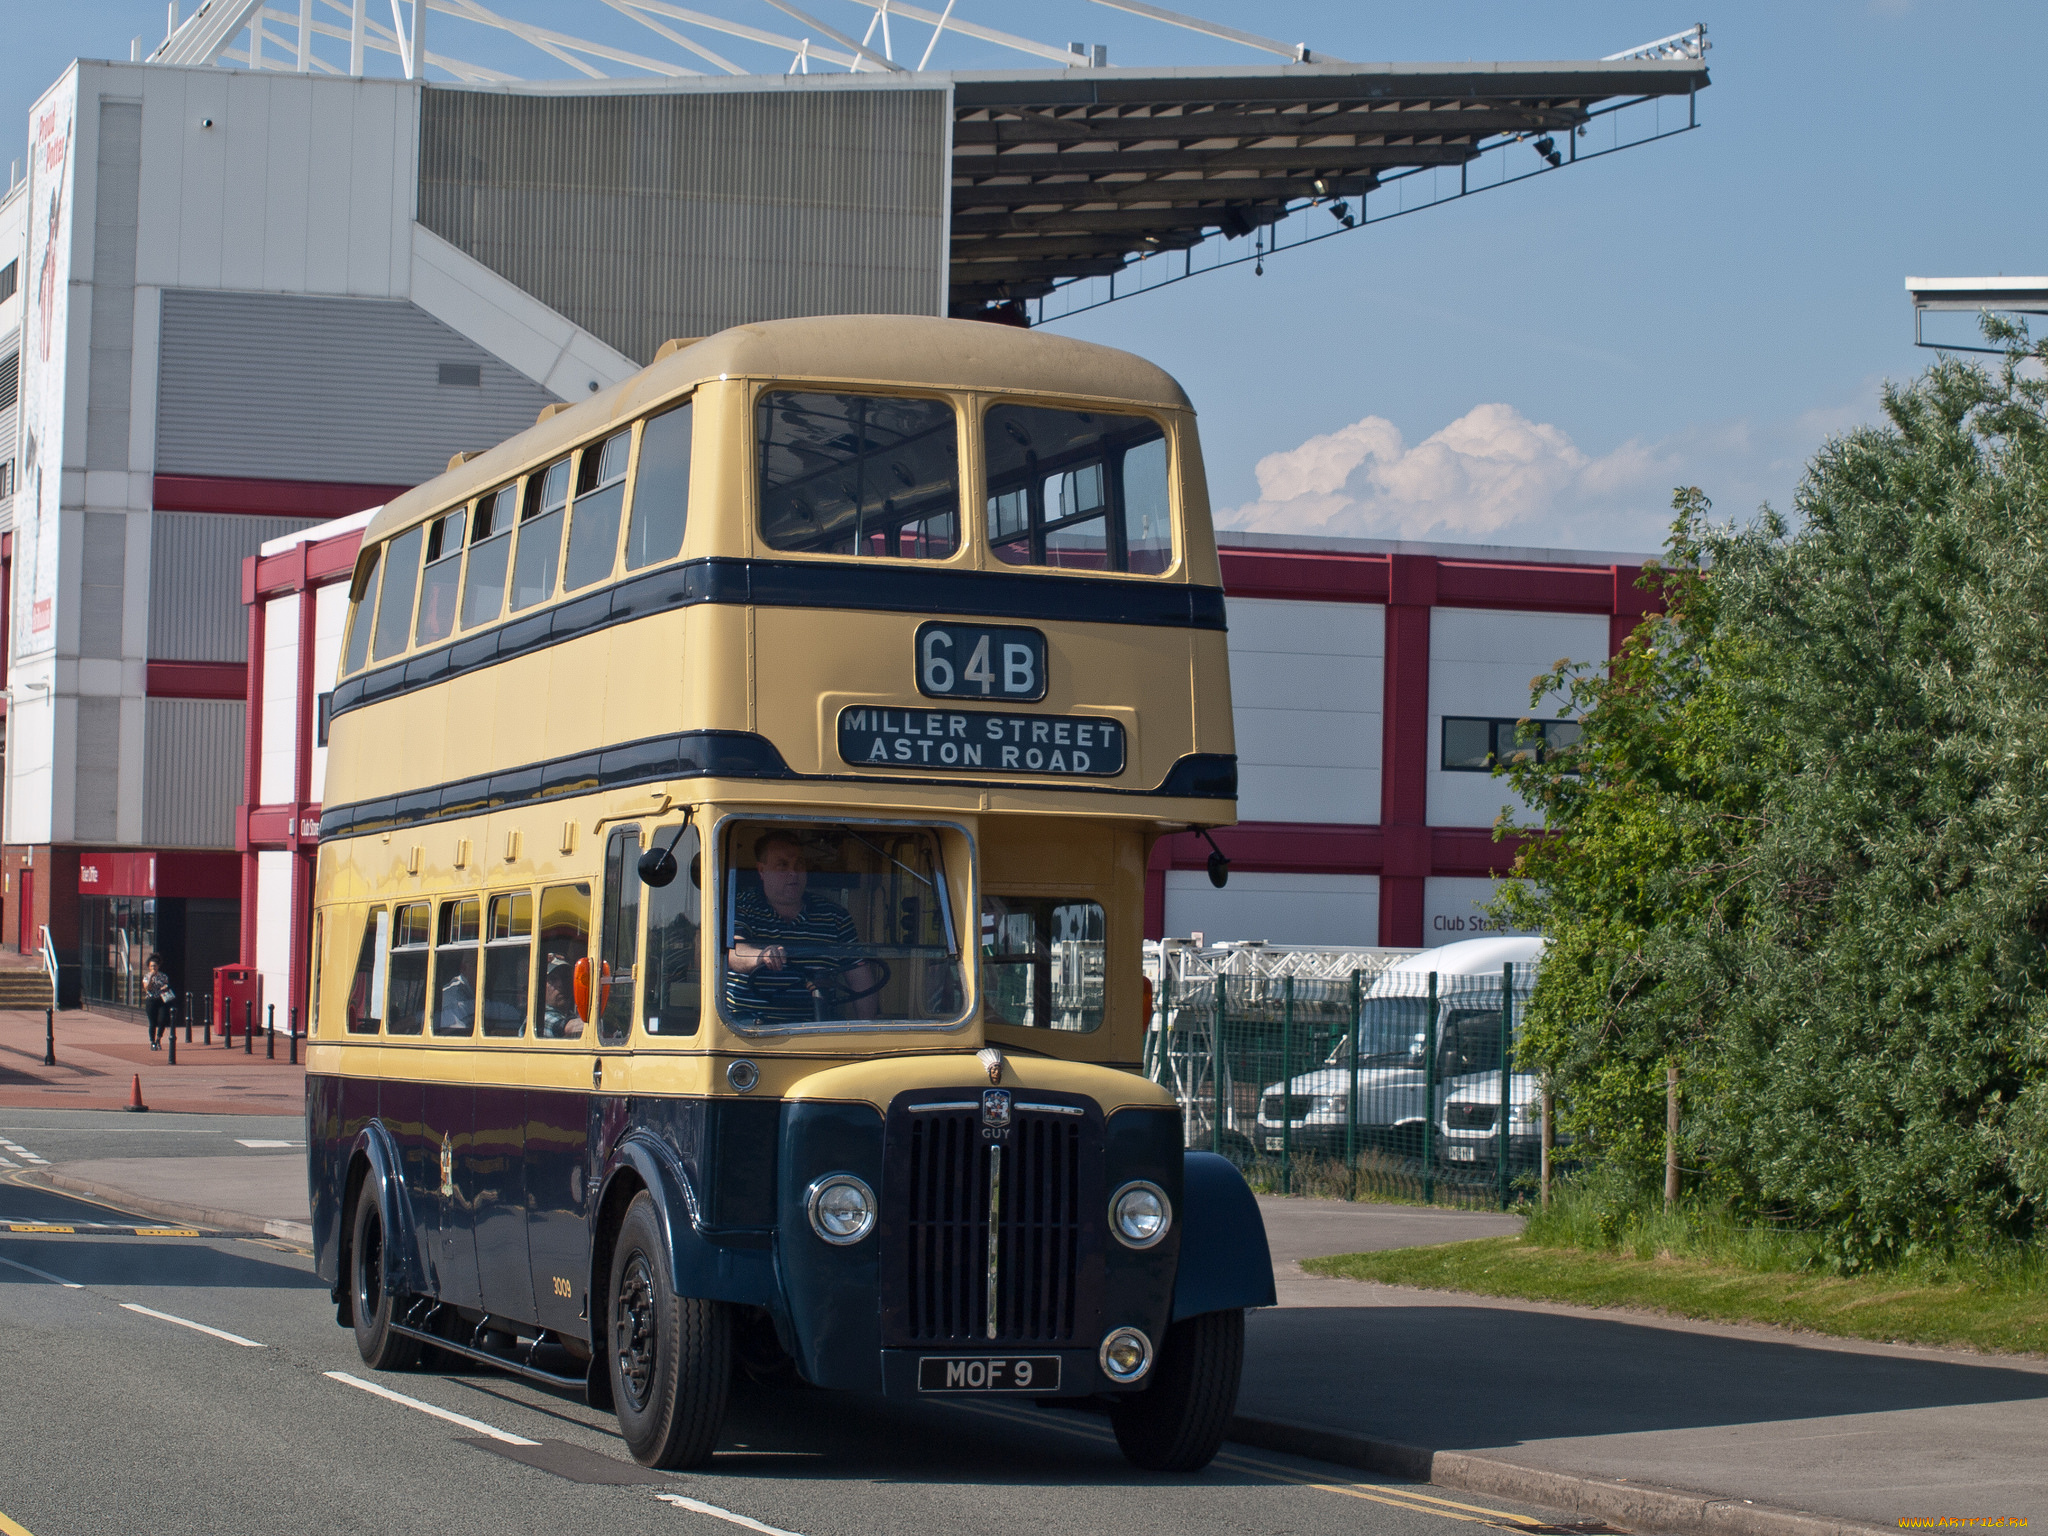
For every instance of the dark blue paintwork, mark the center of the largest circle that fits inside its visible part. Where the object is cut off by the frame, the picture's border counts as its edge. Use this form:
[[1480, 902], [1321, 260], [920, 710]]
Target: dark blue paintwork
[[830, 1291], [1224, 1261]]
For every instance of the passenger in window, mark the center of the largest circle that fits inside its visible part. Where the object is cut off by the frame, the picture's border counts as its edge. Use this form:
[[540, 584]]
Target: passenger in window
[[558, 1017], [784, 938]]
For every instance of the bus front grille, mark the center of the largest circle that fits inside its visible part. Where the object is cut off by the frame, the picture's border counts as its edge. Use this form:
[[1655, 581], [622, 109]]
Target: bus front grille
[[945, 1174]]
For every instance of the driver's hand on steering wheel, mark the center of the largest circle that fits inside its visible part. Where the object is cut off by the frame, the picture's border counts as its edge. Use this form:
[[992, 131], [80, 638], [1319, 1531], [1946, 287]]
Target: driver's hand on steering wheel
[[773, 956]]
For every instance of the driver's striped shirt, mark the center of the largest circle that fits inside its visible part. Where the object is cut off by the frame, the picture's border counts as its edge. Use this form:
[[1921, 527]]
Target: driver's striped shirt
[[781, 996]]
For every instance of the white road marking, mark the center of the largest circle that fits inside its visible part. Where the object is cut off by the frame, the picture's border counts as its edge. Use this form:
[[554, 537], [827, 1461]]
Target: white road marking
[[440, 1413], [262, 1143], [186, 1322], [698, 1506], [4, 1163], [21, 1152], [43, 1274]]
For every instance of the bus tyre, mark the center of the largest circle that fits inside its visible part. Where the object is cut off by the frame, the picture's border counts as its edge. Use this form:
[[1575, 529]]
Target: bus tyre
[[670, 1356], [1177, 1424], [382, 1347]]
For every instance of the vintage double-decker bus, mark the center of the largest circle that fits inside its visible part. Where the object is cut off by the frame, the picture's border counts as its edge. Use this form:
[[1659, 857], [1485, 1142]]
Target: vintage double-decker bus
[[728, 930]]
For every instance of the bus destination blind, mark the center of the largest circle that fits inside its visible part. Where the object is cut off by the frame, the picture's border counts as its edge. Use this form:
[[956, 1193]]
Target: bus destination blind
[[1085, 745]]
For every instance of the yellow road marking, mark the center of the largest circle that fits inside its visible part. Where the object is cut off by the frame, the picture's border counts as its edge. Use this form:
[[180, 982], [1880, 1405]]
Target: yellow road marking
[[9, 1528], [166, 1231], [1248, 1463], [33, 1226]]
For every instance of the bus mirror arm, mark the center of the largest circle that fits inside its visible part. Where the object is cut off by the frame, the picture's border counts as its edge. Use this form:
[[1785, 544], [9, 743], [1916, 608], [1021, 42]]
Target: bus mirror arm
[[1219, 866]]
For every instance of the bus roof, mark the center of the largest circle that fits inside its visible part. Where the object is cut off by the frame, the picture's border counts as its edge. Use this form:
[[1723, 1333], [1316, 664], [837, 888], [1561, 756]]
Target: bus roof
[[893, 350]]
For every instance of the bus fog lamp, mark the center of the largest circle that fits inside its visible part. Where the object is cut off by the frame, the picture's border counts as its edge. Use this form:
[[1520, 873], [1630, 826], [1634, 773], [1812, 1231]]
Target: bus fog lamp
[[1139, 1214], [842, 1208], [1126, 1355]]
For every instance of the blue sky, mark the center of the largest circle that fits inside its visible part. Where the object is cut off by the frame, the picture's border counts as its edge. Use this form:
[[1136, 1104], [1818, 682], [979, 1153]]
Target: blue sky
[[1541, 364]]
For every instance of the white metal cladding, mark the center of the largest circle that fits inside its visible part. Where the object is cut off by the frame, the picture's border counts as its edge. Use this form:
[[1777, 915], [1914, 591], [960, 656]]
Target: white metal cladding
[[290, 387], [193, 780], [103, 567], [642, 217], [195, 582], [111, 381], [10, 419], [96, 810]]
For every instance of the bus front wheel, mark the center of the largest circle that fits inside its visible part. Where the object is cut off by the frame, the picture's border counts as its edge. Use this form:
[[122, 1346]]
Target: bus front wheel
[[381, 1346], [1177, 1424], [670, 1356]]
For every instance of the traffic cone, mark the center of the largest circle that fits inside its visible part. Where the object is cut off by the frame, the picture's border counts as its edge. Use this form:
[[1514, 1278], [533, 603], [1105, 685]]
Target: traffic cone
[[135, 1104]]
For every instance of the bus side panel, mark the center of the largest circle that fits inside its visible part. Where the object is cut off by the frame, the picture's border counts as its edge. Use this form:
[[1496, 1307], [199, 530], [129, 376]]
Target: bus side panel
[[830, 1290], [497, 1196], [400, 1110], [448, 1111], [327, 1146], [1144, 1143], [558, 1206]]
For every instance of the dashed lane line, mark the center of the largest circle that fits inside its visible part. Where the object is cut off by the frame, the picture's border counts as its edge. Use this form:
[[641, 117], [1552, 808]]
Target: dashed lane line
[[186, 1322], [21, 1152], [698, 1506], [42, 1274], [449, 1414]]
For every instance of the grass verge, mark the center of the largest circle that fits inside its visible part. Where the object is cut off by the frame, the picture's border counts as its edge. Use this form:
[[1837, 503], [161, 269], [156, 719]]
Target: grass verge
[[1989, 1311]]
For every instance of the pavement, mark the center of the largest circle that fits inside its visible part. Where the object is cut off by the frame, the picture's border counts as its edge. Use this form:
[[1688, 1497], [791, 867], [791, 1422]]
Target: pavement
[[1642, 1421], [100, 1056]]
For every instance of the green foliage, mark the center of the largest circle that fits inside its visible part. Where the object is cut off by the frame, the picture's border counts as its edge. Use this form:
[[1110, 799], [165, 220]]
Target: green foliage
[[1801, 849]]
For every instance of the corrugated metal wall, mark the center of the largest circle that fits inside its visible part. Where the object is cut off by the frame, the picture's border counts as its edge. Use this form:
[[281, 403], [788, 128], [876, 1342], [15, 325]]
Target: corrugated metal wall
[[96, 811], [10, 423], [195, 582], [287, 387], [193, 780], [110, 383], [646, 217]]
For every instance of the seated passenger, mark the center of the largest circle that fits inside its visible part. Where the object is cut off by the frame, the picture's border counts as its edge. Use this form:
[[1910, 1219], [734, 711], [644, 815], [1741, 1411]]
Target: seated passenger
[[783, 968], [558, 1017]]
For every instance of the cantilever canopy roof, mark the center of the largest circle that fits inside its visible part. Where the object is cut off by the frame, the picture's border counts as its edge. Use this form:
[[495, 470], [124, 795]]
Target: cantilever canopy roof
[[1060, 174]]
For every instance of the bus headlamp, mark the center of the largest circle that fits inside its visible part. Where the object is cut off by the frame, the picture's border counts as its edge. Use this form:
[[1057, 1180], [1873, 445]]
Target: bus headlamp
[[1139, 1214], [842, 1208], [1126, 1355]]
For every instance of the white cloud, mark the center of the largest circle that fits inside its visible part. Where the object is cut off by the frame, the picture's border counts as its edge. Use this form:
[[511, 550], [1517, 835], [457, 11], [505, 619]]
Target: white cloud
[[1494, 476]]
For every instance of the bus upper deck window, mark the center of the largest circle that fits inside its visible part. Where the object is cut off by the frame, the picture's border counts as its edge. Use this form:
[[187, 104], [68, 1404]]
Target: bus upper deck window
[[564, 945], [365, 610], [1081, 490], [394, 600], [455, 966], [1042, 962], [540, 537], [438, 582], [672, 985], [405, 1010], [366, 987], [490, 546], [508, 964], [859, 474], [661, 490], [594, 520]]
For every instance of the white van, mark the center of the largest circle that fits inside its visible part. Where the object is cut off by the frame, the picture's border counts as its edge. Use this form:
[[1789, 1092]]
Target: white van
[[1392, 1080]]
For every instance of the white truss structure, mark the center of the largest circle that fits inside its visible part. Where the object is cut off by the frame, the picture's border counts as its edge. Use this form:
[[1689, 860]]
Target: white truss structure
[[336, 37]]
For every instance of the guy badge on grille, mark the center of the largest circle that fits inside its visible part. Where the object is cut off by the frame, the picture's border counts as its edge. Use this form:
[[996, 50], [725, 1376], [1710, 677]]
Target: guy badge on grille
[[995, 1108]]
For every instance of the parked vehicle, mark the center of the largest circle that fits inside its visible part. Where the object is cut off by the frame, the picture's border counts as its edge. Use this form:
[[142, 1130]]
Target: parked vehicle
[[1468, 1134], [1313, 1112]]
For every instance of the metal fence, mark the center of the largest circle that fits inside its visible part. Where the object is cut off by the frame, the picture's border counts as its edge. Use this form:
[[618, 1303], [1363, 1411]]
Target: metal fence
[[1331, 1072]]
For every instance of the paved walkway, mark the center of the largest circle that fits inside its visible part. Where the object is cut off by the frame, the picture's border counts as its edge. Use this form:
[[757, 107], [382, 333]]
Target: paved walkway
[[1650, 1423], [100, 1055]]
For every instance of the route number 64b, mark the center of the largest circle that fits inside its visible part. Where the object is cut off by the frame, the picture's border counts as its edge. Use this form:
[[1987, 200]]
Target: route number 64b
[[980, 661]]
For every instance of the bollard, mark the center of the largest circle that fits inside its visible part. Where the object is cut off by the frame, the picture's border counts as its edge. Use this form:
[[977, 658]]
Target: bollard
[[174, 1044], [270, 1030], [49, 1037], [248, 1028], [293, 1020], [206, 1017], [187, 1001]]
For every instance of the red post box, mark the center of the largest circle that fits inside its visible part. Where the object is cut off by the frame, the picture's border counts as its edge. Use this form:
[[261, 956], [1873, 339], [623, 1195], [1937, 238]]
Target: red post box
[[235, 986]]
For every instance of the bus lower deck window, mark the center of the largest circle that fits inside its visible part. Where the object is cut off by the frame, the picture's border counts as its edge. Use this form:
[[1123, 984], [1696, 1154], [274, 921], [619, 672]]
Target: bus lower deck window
[[455, 967], [366, 987], [845, 474], [405, 1010], [1081, 490], [1042, 962], [508, 964], [564, 947], [836, 926], [672, 987]]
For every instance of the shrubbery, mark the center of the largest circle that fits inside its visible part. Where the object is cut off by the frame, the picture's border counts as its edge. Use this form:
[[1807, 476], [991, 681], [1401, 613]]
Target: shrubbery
[[1801, 849]]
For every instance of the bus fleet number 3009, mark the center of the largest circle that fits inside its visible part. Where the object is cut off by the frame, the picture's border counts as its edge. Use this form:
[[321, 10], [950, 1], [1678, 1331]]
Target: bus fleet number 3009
[[988, 1373]]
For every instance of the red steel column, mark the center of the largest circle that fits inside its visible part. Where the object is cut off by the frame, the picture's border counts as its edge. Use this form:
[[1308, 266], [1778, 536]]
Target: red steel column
[[1404, 751], [303, 851], [252, 758]]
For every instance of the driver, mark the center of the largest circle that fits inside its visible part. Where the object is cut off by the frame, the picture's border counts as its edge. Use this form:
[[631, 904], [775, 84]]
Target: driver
[[776, 930]]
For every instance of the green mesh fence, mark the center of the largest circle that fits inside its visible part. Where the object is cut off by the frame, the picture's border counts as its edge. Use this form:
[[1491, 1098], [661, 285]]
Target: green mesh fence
[[1360, 1087]]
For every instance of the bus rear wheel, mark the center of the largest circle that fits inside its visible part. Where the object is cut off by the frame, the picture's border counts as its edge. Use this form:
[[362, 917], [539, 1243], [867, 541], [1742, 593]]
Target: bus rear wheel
[[380, 1345], [1177, 1424], [670, 1356]]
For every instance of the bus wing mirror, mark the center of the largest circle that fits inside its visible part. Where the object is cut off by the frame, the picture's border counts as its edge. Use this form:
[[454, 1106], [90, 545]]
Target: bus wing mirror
[[657, 867]]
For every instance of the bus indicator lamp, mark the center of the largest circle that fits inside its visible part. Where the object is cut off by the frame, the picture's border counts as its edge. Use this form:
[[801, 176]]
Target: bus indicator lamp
[[1126, 1355], [743, 1075], [842, 1208]]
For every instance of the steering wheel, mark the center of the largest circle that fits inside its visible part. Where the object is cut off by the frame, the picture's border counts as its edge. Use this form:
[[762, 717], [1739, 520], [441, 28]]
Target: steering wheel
[[827, 978]]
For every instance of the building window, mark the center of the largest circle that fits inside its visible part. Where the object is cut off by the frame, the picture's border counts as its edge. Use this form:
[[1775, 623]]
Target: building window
[[6, 477], [463, 375], [10, 279], [1475, 745]]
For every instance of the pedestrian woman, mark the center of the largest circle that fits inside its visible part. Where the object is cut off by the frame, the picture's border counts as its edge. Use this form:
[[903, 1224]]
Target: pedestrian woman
[[157, 998]]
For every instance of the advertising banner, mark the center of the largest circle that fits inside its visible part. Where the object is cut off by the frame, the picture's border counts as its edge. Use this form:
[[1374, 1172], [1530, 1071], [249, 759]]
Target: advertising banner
[[51, 181]]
